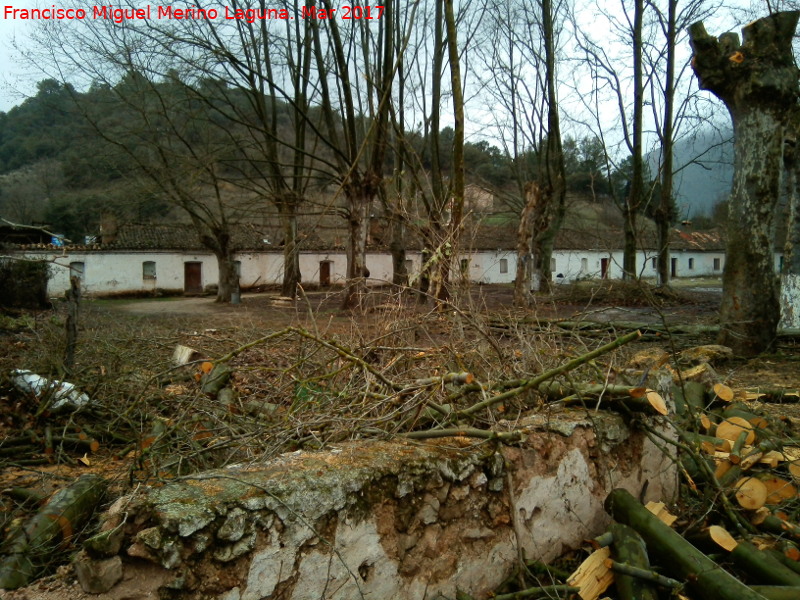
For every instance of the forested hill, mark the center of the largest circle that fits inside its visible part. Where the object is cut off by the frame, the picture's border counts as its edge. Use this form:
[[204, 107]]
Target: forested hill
[[66, 157], [55, 169]]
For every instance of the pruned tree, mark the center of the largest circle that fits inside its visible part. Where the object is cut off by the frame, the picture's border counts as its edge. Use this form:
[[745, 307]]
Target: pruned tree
[[671, 101], [521, 65], [360, 59], [612, 83], [433, 155], [758, 83]]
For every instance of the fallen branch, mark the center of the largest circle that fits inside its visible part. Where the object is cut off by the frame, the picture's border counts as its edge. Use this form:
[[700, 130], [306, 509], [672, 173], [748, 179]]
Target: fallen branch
[[31, 546], [535, 382]]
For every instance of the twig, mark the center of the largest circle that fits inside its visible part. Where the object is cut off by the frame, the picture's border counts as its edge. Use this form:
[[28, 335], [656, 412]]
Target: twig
[[536, 381]]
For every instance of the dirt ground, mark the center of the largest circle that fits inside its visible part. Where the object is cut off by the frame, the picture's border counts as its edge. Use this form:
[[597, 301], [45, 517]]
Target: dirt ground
[[116, 334]]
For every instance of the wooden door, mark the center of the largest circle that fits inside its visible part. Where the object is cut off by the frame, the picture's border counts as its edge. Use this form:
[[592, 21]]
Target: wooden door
[[604, 268], [193, 278], [325, 273]]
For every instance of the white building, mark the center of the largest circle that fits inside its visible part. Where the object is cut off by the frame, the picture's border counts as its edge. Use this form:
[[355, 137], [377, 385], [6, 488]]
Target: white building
[[170, 259]]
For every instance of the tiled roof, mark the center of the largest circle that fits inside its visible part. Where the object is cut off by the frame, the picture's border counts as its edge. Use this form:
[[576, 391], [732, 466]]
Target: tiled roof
[[253, 237], [489, 237], [141, 236]]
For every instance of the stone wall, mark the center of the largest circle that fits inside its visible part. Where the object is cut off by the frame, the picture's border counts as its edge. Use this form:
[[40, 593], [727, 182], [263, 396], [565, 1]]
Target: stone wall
[[397, 519]]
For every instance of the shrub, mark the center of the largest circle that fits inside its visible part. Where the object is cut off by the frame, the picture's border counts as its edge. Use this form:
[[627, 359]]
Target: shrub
[[23, 283]]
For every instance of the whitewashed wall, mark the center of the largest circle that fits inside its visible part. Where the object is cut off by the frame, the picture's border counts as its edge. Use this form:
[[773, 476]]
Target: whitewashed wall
[[113, 272]]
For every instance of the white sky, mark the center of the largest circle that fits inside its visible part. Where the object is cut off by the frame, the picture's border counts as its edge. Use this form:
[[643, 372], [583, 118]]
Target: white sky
[[16, 83], [18, 80]]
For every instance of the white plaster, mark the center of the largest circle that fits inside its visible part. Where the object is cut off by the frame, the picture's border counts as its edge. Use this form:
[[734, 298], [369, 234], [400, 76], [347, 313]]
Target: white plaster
[[107, 272], [335, 576], [275, 563]]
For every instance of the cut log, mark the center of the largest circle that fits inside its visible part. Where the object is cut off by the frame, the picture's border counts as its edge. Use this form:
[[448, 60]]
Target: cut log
[[778, 526], [689, 397], [712, 444], [659, 509], [757, 453], [723, 392], [730, 428], [778, 490], [684, 561], [593, 577], [32, 546], [628, 548], [751, 493], [184, 354], [722, 538], [762, 565]]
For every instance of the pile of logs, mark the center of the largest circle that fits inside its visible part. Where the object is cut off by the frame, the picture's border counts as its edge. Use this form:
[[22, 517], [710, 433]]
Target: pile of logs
[[739, 538]]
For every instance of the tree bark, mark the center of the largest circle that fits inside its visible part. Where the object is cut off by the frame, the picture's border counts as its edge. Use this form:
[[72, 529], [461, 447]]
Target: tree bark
[[522, 282], [291, 251], [73, 299], [635, 196], [629, 548], [228, 283], [359, 202], [790, 276], [664, 211], [757, 80]]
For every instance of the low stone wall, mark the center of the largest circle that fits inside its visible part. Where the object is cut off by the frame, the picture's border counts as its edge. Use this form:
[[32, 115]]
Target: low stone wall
[[397, 520]]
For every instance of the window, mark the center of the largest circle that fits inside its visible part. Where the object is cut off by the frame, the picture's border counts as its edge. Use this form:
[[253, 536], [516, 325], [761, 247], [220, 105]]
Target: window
[[76, 269], [464, 265], [717, 264], [584, 265], [148, 270], [691, 263], [653, 263], [504, 265], [237, 267], [409, 265]]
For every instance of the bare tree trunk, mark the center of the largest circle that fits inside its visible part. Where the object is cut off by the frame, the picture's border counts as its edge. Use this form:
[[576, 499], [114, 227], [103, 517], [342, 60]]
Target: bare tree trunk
[[73, 299], [522, 283], [790, 277], [359, 201], [555, 185], [228, 283], [291, 252], [457, 206], [634, 199], [758, 82], [397, 246], [664, 211], [629, 242]]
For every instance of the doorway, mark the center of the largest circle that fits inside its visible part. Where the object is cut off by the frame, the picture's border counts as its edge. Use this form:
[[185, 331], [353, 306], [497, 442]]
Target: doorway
[[673, 267], [193, 278], [325, 273], [604, 268]]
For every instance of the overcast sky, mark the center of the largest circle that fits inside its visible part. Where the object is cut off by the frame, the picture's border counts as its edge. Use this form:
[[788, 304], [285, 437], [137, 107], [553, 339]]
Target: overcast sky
[[18, 81], [15, 83]]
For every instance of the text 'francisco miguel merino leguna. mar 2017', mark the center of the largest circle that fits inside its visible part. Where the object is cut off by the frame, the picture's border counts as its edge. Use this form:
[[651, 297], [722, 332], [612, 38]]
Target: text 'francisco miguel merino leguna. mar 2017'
[[119, 15]]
